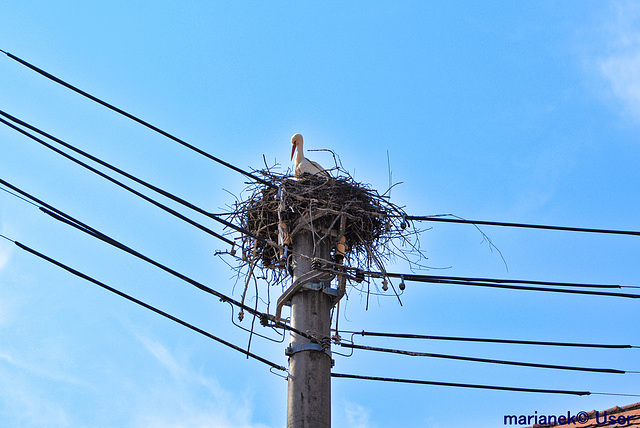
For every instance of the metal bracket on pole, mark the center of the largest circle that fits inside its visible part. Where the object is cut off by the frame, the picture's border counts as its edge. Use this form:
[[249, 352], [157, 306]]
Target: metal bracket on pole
[[290, 350], [306, 280]]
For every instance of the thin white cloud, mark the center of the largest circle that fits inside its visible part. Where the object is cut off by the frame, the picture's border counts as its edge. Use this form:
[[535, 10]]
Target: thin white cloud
[[192, 418], [619, 65], [539, 175], [164, 357], [4, 311], [356, 416], [24, 403], [5, 252], [218, 408], [45, 366], [7, 358], [4, 257]]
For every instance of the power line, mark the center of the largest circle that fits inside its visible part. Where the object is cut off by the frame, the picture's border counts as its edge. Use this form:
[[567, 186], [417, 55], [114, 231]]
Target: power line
[[149, 307], [111, 167], [473, 280], [19, 197], [476, 386], [71, 221], [107, 165], [411, 277], [127, 175], [133, 178], [524, 281], [103, 163], [67, 219], [461, 385], [486, 283], [263, 360], [486, 360], [438, 279], [489, 340], [118, 183], [135, 119], [522, 225]]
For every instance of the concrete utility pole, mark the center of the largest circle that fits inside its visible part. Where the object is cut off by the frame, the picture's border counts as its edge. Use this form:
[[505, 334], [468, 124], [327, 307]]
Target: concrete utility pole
[[309, 397]]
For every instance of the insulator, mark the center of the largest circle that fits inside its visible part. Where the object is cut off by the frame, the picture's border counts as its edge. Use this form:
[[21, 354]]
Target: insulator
[[316, 264], [264, 319], [402, 286], [359, 275], [385, 287]]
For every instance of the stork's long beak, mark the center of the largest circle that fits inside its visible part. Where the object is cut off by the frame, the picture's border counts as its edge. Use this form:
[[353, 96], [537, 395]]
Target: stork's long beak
[[293, 150]]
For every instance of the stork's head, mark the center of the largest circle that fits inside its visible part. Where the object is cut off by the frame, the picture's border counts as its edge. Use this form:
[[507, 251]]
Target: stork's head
[[296, 141]]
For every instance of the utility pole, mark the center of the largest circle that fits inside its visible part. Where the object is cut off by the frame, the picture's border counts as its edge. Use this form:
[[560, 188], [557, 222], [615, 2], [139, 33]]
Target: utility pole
[[309, 397]]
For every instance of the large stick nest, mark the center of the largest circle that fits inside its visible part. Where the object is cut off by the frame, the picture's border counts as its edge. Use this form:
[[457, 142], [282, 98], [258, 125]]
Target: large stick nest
[[374, 229]]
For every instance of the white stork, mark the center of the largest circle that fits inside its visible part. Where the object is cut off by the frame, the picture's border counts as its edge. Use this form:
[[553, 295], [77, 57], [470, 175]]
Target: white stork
[[302, 164]]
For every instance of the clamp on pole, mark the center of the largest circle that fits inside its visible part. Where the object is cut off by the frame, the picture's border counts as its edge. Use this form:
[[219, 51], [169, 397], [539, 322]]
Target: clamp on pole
[[290, 350], [308, 279]]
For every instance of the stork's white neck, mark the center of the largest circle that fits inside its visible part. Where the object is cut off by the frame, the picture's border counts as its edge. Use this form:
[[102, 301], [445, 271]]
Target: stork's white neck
[[299, 152]]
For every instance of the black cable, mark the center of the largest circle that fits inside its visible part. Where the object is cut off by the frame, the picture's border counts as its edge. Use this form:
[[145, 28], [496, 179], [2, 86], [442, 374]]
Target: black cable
[[106, 165], [523, 225], [124, 173], [135, 119], [415, 277], [515, 281], [443, 280], [71, 221], [118, 170], [67, 219], [140, 181], [486, 360], [282, 336], [147, 306], [113, 168], [122, 185], [19, 197], [489, 340], [461, 385]]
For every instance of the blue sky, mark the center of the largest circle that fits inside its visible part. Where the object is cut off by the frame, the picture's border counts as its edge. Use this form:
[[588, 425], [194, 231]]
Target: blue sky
[[526, 112]]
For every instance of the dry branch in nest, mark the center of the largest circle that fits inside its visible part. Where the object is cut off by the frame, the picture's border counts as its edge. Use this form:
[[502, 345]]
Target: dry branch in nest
[[340, 211]]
